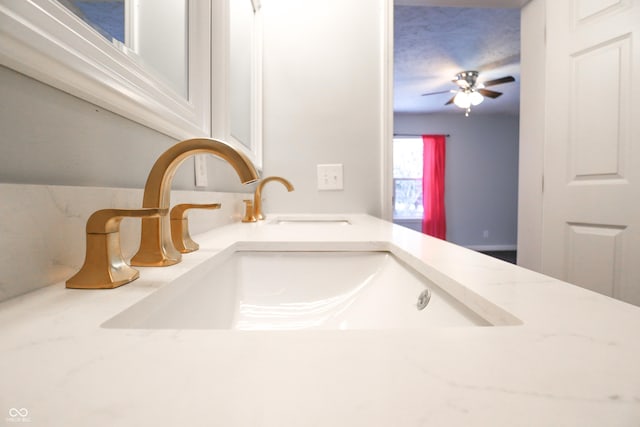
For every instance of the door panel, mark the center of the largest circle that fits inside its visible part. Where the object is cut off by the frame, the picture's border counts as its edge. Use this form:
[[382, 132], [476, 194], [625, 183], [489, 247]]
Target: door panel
[[593, 256], [586, 9], [591, 201], [599, 76]]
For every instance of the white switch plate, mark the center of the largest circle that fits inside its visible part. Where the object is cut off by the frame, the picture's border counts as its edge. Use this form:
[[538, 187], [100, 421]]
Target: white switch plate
[[330, 177], [200, 161]]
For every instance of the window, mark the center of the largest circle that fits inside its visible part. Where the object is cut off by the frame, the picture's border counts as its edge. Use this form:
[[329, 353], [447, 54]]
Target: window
[[407, 178]]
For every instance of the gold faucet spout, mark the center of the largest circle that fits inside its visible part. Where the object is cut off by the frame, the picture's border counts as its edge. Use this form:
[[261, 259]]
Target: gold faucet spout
[[257, 197], [156, 246]]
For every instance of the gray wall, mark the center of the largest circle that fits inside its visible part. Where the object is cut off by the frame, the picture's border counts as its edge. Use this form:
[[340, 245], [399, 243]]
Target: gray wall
[[481, 189], [51, 137]]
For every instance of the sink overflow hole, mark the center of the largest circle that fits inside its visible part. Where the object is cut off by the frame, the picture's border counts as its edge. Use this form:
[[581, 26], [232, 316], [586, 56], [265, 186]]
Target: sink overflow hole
[[423, 299]]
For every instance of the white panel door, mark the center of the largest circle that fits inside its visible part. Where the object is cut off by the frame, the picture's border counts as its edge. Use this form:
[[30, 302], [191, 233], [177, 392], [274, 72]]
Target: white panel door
[[591, 202]]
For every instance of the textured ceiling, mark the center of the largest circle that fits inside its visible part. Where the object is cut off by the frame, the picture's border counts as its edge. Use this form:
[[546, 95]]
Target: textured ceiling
[[432, 44]]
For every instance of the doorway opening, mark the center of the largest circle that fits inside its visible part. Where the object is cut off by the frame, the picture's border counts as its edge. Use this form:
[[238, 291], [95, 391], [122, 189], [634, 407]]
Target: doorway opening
[[431, 46]]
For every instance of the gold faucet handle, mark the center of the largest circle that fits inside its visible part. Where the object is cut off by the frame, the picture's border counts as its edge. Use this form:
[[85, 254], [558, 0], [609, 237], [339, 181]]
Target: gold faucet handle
[[104, 267], [248, 211], [108, 220], [180, 211], [180, 225]]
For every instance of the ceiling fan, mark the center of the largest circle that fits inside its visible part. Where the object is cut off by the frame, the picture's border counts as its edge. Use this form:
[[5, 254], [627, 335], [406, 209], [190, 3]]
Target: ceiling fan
[[470, 92]]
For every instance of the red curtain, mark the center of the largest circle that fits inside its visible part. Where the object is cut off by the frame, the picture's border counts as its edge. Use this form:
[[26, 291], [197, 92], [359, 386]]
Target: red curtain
[[434, 221]]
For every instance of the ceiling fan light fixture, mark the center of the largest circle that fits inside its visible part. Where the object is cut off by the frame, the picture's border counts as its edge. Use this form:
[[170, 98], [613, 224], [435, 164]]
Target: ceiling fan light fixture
[[466, 79], [476, 98], [462, 100], [470, 91]]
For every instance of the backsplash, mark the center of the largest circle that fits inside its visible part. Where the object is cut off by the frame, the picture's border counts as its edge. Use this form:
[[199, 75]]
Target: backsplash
[[42, 231]]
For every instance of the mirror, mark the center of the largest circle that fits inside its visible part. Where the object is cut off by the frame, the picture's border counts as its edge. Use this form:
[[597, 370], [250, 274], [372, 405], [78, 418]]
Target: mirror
[[236, 82], [204, 94], [152, 32], [156, 72], [241, 15]]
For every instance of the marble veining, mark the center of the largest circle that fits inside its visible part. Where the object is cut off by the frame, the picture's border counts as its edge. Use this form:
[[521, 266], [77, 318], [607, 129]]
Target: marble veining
[[42, 239], [571, 361]]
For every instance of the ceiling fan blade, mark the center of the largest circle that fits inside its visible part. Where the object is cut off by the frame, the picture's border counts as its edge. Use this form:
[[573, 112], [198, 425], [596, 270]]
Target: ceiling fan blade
[[499, 81], [451, 100], [436, 93], [490, 93]]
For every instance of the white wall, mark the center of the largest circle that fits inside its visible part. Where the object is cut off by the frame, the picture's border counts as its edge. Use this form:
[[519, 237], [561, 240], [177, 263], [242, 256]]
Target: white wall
[[481, 177], [323, 96], [532, 131]]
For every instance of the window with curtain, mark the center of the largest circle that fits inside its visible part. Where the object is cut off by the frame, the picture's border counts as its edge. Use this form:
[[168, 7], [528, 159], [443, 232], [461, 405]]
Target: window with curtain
[[418, 182]]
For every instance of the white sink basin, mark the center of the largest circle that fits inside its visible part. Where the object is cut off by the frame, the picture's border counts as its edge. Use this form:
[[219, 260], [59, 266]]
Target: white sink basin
[[274, 290], [306, 220]]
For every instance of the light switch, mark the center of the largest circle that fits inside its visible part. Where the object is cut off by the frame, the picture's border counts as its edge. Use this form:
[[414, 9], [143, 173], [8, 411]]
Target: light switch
[[200, 161], [330, 177]]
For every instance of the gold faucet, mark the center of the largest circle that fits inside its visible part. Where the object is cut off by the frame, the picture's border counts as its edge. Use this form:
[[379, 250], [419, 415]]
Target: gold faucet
[[257, 197], [156, 246], [180, 226], [104, 267]]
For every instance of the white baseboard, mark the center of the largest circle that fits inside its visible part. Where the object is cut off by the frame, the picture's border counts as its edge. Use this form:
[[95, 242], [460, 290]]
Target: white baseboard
[[483, 248]]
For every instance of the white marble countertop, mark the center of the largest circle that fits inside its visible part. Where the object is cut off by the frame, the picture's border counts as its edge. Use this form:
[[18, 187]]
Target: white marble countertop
[[573, 360]]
